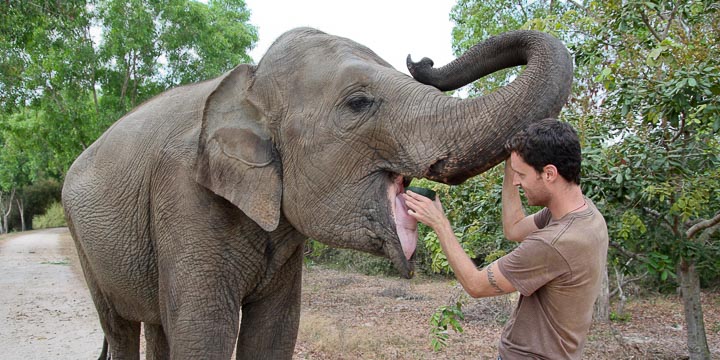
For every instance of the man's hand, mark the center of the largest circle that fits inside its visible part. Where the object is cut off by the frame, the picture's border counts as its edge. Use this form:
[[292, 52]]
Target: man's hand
[[477, 283], [426, 211]]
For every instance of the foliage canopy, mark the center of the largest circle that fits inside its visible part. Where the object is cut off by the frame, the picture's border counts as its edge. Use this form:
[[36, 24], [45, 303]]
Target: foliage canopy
[[74, 67], [646, 104]]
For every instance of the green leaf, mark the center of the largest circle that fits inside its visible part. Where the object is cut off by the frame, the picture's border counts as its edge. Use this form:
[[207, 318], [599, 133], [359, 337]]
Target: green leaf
[[655, 53], [653, 56]]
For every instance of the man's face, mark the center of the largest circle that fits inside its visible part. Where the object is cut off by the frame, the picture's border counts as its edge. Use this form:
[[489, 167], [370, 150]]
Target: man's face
[[530, 180]]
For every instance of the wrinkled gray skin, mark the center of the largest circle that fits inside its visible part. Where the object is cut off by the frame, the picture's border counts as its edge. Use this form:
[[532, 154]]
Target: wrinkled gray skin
[[190, 213]]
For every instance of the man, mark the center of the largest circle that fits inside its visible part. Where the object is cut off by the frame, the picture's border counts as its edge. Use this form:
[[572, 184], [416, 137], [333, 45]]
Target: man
[[558, 264]]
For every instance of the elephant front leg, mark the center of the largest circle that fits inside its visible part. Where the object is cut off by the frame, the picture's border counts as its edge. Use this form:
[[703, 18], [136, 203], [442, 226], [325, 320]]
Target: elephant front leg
[[197, 334], [200, 319], [269, 326]]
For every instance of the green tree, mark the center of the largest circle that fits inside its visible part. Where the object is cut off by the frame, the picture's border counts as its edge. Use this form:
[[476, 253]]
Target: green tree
[[154, 45], [664, 106], [645, 102], [478, 20], [23, 160], [72, 68]]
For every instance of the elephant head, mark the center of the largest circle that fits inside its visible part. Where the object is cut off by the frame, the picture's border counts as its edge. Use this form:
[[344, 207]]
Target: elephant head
[[324, 134]]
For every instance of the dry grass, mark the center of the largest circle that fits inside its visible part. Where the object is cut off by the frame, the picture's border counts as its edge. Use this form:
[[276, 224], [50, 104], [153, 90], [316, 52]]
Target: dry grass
[[328, 336], [353, 316]]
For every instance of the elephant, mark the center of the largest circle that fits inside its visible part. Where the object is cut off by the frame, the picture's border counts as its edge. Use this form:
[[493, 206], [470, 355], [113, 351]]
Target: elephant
[[190, 213]]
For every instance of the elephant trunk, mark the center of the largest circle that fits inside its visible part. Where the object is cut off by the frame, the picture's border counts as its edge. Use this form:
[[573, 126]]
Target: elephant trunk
[[485, 123]]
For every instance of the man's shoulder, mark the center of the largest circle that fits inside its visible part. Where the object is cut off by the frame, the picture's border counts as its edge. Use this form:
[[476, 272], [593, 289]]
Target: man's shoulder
[[570, 227]]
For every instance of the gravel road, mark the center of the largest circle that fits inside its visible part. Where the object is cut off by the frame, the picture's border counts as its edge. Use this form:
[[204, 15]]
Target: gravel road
[[44, 304]]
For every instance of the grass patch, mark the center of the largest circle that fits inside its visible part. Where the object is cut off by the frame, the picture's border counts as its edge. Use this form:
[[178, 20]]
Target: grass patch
[[715, 328], [348, 260], [330, 336], [57, 262], [53, 217], [624, 317], [496, 309], [399, 292]]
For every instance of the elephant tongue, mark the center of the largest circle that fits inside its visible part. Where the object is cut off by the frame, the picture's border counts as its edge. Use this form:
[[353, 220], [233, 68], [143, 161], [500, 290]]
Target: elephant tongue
[[406, 227]]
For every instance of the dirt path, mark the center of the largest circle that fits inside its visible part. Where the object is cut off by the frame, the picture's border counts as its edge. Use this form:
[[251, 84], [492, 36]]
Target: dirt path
[[46, 308], [46, 312]]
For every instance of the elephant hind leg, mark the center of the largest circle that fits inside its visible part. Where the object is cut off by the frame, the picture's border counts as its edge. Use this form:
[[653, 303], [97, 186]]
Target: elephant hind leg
[[104, 354], [156, 347], [122, 337]]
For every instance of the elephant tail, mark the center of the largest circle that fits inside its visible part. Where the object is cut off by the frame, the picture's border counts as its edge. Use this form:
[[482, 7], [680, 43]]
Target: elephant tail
[[104, 355]]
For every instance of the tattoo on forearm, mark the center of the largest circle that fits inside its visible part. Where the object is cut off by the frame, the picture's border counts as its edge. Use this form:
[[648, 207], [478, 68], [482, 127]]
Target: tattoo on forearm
[[492, 281]]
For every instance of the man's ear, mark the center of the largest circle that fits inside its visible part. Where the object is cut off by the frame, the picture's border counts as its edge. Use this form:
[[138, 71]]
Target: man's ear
[[550, 173], [236, 157]]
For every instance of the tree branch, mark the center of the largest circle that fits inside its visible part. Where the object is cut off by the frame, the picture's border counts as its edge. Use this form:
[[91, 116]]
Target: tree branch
[[705, 236], [652, 30], [681, 129], [670, 20], [579, 6], [9, 204], [626, 252], [522, 9], [702, 226], [663, 221], [624, 282], [93, 67]]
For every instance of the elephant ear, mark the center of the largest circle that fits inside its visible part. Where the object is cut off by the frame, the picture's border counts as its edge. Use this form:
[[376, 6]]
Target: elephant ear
[[236, 155]]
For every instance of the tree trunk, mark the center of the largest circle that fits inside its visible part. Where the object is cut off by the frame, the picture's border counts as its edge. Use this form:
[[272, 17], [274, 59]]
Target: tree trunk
[[5, 222], [6, 212], [602, 304], [690, 291], [22, 213]]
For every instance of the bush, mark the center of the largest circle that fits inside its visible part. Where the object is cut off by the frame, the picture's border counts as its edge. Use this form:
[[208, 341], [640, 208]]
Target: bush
[[53, 217], [348, 260], [36, 199]]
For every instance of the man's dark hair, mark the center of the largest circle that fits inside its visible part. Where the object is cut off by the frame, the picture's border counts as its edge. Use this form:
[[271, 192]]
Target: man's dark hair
[[549, 142]]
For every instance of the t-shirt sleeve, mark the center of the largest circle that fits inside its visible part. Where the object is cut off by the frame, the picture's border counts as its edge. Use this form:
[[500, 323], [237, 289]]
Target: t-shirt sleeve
[[542, 218], [531, 265]]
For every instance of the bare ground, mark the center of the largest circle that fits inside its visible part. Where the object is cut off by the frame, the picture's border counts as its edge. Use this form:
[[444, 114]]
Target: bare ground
[[47, 312], [46, 309], [352, 316]]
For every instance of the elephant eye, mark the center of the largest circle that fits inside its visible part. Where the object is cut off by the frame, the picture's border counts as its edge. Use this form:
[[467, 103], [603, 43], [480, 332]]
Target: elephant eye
[[360, 103]]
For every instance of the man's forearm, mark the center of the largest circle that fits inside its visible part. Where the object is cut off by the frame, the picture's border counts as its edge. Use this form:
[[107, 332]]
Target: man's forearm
[[477, 283], [463, 267]]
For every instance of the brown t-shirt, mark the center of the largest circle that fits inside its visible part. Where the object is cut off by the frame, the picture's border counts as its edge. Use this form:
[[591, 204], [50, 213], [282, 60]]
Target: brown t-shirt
[[557, 270]]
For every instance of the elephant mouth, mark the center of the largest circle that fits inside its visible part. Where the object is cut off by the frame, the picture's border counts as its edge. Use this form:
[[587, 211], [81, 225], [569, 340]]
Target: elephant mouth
[[405, 225]]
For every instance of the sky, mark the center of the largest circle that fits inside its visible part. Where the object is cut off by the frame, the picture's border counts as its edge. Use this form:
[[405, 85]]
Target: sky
[[391, 28]]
